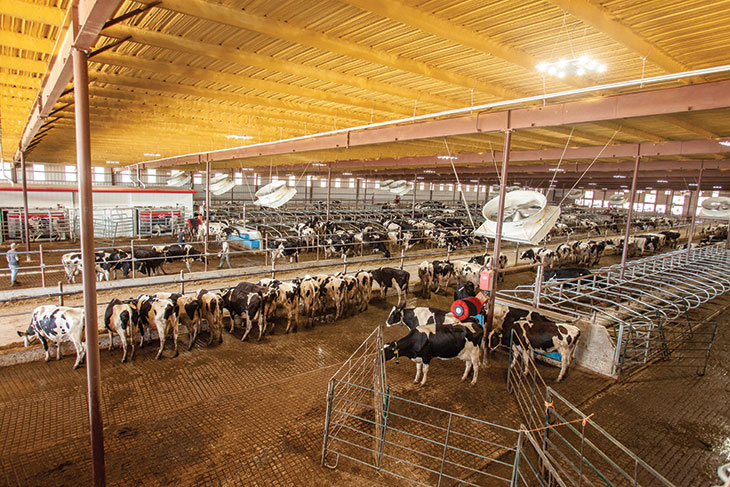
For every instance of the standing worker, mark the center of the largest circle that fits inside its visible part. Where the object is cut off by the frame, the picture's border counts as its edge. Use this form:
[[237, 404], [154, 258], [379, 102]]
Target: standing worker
[[224, 255], [12, 257]]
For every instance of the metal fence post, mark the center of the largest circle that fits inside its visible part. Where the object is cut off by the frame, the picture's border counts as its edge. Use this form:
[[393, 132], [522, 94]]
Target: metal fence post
[[273, 268], [182, 282], [516, 468], [43, 266], [446, 446], [318, 247], [60, 293], [344, 263], [538, 287], [131, 245], [402, 256]]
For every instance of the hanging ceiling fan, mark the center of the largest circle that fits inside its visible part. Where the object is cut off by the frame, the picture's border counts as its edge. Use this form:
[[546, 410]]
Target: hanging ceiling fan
[[400, 187], [574, 194], [179, 178], [527, 218], [274, 194], [617, 199], [385, 185], [716, 207]]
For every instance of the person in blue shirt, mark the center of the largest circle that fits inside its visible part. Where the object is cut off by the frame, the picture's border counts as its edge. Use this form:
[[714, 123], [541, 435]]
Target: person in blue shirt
[[181, 237], [13, 264]]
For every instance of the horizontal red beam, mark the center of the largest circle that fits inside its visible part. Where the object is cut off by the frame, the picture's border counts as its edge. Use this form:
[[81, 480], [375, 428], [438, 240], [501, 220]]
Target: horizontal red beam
[[707, 96]]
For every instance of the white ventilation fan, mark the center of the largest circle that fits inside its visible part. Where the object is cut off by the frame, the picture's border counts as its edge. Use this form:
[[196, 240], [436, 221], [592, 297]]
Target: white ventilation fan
[[527, 217], [400, 187], [221, 185], [274, 195], [385, 185], [716, 207], [178, 179], [512, 188], [617, 199], [574, 194]]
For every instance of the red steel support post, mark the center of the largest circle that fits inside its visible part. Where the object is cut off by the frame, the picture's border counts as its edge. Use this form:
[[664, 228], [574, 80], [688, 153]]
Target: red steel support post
[[632, 198], [83, 157], [694, 209], [497, 245], [26, 232]]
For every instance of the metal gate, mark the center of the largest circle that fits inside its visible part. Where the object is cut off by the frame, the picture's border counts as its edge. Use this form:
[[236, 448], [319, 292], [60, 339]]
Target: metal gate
[[571, 446], [368, 425]]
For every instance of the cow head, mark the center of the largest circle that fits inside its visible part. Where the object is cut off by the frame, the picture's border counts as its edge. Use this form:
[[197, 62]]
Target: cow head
[[528, 254], [392, 350], [28, 336], [495, 339], [396, 316]]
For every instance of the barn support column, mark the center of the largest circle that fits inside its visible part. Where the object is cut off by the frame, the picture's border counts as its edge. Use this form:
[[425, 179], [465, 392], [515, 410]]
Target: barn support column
[[694, 209], [413, 205], [477, 196], [207, 212], [26, 232], [329, 191], [497, 244], [365, 193], [430, 192], [357, 193], [670, 203], [632, 198], [83, 158]]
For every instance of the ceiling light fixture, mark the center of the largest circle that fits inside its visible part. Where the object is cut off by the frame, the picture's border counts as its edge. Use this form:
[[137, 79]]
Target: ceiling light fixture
[[556, 169], [239, 137], [112, 162], [619, 176], [151, 154], [429, 171], [717, 187], [726, 143], [447, 158], [577, 66], [662, 181]]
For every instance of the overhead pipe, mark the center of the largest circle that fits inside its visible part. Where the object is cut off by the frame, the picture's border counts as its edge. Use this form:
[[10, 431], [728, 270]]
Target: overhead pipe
[[83, 157]]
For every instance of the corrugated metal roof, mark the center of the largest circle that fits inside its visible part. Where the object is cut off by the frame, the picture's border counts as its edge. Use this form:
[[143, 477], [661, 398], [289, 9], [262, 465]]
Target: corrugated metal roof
[[194, 71]]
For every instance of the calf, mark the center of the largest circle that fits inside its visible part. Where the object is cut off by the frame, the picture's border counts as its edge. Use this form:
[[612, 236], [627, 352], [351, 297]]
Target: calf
[[121, 318], [286, 297], [187, 309], [425, 275], [387, 277], [537, 333], [424, 343], [365, 285], [158, 314], [211, 310], [54, 323], [443, 272], [246, 306]]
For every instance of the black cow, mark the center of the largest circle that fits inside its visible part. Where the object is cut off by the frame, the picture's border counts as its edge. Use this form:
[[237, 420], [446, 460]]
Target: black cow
[[387, 277], [184, 252], [565, 273], [149, 261], [672, 237], [465, 290], [536, 332], [424, 343]]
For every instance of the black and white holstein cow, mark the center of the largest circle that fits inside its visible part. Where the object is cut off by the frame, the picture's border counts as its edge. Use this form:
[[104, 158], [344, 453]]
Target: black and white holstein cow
[[159, 315], [211, 311], [286, 298], [388, 277], [188, 313], [54, 323], [539, 334], [443, 272], [286, 247], [424, 343], [425, 275], [365, 285], [247, 303], [121, 318], [415, 317], [184, 252]]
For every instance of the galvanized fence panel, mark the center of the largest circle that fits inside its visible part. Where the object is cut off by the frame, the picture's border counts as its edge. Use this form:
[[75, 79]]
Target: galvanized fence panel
[[568, 444]]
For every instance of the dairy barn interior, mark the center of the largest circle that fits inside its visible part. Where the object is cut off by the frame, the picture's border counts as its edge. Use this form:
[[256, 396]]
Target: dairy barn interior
[[246, 225]]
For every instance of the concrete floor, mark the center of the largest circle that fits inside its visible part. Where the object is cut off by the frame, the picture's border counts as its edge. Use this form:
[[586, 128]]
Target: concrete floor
[[253, 413]]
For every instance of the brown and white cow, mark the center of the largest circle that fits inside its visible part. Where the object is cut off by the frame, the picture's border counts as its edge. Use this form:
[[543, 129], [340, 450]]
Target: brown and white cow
[[55, 323], [211, 310], [121, 318], [159, 315]]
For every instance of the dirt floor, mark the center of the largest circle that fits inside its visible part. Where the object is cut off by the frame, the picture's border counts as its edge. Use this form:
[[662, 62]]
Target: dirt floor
[[253, 413]]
